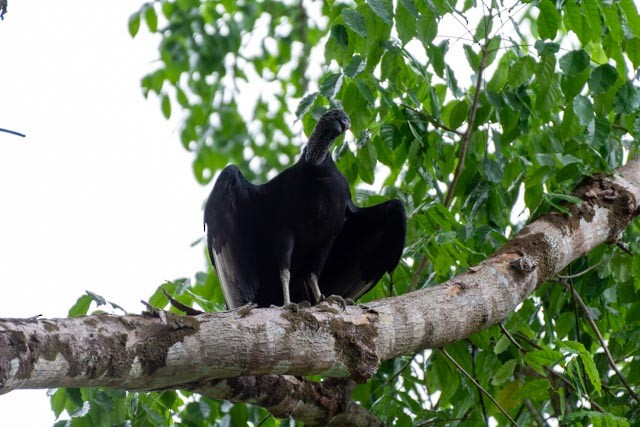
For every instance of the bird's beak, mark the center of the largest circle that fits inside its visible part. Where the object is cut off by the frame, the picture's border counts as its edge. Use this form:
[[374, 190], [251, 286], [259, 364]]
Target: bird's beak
[[346, 125]]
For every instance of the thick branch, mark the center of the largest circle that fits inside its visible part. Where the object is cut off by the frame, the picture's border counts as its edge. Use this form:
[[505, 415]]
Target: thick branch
[[145, 353]]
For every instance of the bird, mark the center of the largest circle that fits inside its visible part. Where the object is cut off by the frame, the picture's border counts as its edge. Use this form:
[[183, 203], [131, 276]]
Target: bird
[[300, 236]]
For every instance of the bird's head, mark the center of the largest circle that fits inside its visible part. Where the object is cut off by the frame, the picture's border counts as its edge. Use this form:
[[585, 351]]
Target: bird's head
[[331, 125], [333, 122]]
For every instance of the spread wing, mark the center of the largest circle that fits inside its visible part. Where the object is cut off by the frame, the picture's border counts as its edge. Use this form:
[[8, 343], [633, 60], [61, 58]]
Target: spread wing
[[230, 223], [369, 245]]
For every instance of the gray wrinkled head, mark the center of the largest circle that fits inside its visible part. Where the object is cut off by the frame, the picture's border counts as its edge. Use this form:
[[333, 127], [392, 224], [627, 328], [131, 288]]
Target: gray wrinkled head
[[331, 125]]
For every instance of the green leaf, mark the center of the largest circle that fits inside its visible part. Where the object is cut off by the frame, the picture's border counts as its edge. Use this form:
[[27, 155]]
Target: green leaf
[[575, 20], [406, 24], [166, 106], [591, 370], [631, 13], [546, 48], [366, 163], [504, 372], [537, 390], [355, 66], [354, 21], [483, 30], [592, 13], [598, 132], [382, 8], [587, 360], [546, 86], [151, 18], [97, 298], [81, 307], [548, 19], [305, 104], [583, 108], [613, 22], [627, 99], [543, 358], [633, 51], [427, 28], [493, 170], [58, 401], [472, 57], [458, 114], [331, 84], [522, 71], [340, 35], [574, 62], [134, 24], [602, 79]]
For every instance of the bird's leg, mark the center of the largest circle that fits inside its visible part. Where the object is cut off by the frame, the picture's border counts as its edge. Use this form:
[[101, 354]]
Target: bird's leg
[[285, 276], [317, 295]]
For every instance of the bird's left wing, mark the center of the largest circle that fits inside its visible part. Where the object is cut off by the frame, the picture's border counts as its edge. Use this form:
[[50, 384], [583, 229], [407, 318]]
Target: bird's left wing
[[229, 216]]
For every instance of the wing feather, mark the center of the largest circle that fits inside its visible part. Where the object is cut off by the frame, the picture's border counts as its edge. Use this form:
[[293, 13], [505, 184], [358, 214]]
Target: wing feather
[[230, 223], [369, 245]]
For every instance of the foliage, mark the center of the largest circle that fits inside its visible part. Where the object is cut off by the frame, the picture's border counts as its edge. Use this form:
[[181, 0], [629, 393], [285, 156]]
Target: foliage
[[476, 115]]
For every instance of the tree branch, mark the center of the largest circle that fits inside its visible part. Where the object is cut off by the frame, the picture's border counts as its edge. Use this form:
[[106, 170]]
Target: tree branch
[[149, 353], [326, 403]]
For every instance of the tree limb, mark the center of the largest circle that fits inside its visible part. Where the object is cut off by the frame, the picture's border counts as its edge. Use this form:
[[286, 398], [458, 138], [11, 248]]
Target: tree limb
[[149, 353]]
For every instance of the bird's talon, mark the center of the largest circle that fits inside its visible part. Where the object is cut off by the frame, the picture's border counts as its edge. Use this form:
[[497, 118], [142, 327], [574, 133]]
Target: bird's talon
[[292, 306], [337, 299], [304, 304]]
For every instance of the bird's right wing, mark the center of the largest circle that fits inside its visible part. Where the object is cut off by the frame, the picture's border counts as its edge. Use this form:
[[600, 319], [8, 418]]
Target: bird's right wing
[[369, 245], [229, 216]]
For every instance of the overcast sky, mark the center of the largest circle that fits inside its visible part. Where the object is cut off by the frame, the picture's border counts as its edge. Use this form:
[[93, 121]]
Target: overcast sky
[[100, 194]]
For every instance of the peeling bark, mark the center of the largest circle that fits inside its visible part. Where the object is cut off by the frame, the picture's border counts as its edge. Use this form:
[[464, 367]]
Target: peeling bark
[[207, 353]]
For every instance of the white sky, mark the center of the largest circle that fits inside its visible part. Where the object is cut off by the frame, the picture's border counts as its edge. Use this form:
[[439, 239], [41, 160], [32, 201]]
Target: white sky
[[100, 194]]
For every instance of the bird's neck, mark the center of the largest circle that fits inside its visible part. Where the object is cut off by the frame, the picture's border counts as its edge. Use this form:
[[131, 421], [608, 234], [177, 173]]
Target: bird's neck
[[317, 148]]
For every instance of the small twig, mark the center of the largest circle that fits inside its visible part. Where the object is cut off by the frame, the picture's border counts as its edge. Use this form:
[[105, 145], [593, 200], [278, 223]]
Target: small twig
[[486, 393], [534, 413], [578, 337], [473, 366], [12, 132], [421, 266], [464, 142], [433, 120], [585, 271], [612, 362], [513, 340]]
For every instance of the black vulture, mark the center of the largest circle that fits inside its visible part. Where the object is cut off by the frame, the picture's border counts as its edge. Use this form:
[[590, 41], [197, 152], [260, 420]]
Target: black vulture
[[299, 236]]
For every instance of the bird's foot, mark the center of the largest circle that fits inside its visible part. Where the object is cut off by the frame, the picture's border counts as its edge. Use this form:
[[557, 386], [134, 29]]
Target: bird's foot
[[337, 299], [304, 304], [292, 307], [244, 310]]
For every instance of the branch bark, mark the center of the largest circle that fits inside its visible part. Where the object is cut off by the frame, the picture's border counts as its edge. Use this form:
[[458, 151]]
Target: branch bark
[[149, 353]]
